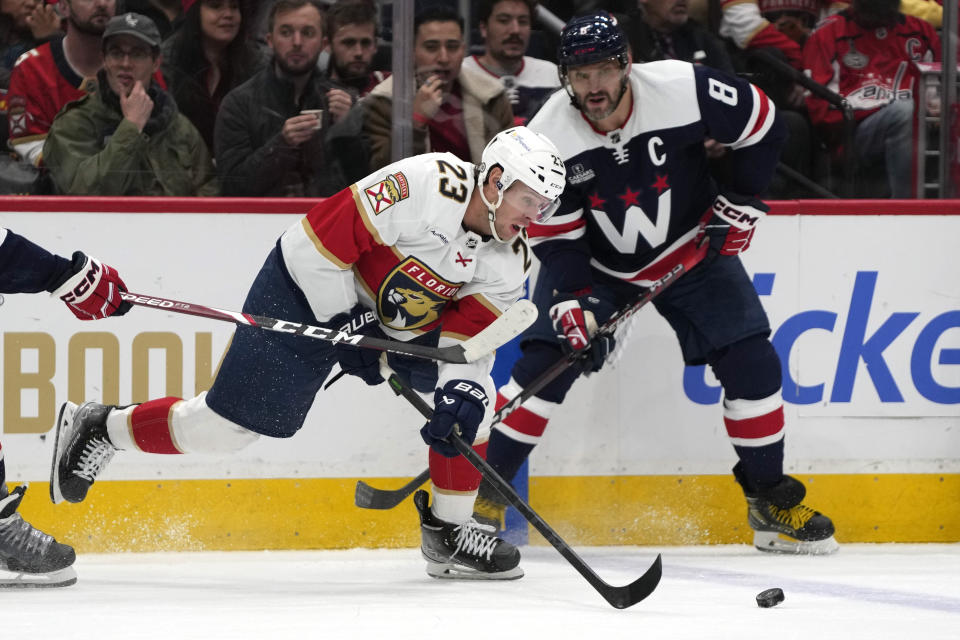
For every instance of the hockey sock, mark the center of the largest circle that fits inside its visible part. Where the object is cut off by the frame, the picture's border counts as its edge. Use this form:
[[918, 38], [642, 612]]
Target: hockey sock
[[455, 474], [506, 455], [453, 507], [750, 373], [144, 427]]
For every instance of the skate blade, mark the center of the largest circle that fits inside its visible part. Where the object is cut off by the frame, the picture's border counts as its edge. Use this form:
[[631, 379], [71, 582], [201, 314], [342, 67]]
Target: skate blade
[[773, 542], [451, 571], [22, 580], [64, 422]]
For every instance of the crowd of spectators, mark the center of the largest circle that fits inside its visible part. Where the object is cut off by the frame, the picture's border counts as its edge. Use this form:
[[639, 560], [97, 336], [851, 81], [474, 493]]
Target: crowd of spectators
[[294, 97]]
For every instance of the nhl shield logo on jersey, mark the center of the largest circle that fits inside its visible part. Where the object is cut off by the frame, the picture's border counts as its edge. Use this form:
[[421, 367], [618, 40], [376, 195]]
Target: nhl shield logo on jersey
[[413, 296], [387, 192]]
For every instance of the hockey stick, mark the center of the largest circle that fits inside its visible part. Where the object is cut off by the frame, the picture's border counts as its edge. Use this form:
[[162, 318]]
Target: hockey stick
[[511, 323], [620, 597], [367, 497]]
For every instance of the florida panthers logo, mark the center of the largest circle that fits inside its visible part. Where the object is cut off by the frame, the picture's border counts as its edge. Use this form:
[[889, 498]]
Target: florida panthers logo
[[413, 296]]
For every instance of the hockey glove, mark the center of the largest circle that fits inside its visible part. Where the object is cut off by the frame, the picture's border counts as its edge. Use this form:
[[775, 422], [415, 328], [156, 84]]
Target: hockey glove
[[575, 327], [91, 289], [458, 407], [731, 223], [360, 361]]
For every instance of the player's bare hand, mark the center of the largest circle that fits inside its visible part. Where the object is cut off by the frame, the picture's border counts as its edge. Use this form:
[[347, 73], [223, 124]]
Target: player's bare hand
[[43, 21], [713, 148], [429, 97], [338, 103], [137, 106], [299, 129]]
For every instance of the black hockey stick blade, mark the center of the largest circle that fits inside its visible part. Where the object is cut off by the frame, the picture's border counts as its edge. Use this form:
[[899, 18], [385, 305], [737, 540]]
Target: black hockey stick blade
[[618, 597], [367, 497]]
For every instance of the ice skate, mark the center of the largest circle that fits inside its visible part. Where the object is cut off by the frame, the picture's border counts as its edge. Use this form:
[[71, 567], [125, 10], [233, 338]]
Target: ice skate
[[467, 551], [490, 509], [29, 557], [781, 524], [81, 450]]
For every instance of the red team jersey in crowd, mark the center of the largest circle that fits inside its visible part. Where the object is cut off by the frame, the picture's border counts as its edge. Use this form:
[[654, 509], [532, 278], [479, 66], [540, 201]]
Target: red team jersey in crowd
[[868, 67], [42, 81], [394, 242], [744, 22]]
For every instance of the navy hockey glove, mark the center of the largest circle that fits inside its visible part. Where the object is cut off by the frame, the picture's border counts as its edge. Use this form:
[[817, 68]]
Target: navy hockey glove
[[575, 327], [731, 223], [461, 403], [91, 289], [360, 361]]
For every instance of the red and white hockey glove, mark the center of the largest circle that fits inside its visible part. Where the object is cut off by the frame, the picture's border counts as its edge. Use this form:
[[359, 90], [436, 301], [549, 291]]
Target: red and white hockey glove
[[92, 289], [575, 328], [731, 221]]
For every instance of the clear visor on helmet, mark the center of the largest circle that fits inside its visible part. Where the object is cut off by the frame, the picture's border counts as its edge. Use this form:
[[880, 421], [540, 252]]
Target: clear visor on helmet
[[530, 203]]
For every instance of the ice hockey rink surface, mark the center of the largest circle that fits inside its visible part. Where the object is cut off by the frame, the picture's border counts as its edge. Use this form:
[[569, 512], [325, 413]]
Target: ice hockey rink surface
[[866, 591]]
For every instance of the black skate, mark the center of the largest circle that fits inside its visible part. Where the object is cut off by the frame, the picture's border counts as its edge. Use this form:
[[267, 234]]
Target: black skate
[[81, 450], [34, 558], [781, 524], [465, 551]]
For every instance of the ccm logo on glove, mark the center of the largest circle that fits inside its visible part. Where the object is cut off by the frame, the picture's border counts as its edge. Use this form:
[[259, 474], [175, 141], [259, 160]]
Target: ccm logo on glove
[[94, 290], [732, 221]]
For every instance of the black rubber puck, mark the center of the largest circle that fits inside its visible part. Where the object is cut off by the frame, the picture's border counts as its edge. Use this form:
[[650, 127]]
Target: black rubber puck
[[770, 598]]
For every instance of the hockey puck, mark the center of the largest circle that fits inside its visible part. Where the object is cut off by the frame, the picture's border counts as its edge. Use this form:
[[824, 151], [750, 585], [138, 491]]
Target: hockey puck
[[770, 598]]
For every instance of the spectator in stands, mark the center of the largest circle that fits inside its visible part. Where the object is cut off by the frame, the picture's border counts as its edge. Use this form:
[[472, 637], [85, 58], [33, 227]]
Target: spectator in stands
[[166, 14], [24, 25], [865, 54], [267, 144], [454, 109], [352, 35], [206, 58], [53, 74], [782, 25], [127, 138], [505, 27], [663, 29]]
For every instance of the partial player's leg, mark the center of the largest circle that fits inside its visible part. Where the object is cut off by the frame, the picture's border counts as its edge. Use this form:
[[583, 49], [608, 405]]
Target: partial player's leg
[[718, 318], [453, 543], [266, 385], [29, 557], [512, 440]]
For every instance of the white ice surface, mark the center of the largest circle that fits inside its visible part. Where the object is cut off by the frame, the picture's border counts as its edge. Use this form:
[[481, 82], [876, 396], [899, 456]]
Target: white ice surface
[[874, 592]]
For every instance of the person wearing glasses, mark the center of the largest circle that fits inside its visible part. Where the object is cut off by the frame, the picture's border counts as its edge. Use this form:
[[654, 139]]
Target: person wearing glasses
[[128, 138]]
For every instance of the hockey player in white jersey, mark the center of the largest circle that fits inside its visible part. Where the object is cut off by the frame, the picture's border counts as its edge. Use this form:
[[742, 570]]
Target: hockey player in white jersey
[[91, 290], [639, 200], [430, 249]]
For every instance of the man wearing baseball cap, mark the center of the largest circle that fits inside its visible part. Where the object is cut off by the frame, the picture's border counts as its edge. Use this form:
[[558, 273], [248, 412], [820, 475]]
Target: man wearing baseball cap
[[128, 138]]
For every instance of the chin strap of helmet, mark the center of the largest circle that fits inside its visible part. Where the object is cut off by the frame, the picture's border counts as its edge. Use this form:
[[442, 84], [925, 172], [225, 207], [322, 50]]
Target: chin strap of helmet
[[491, 207]]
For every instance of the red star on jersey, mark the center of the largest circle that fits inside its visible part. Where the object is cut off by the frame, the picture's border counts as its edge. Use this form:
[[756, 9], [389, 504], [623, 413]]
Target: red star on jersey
[[661, 184], [630, 197], [596, 202]]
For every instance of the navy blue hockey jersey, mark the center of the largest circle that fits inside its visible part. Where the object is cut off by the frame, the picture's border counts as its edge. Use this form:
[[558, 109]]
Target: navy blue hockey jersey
[[636, 194]]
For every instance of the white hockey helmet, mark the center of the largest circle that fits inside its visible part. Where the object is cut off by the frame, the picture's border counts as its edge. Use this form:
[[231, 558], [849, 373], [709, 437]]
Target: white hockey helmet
[[526, 156]]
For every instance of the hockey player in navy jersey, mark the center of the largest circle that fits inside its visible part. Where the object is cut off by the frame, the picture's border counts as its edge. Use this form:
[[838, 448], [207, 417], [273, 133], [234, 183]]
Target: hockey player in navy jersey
[[91, 290], [431, 248], [639, 200]]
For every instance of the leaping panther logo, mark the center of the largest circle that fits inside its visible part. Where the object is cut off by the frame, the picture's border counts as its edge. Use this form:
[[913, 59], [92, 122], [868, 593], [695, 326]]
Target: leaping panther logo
[[413, 296]]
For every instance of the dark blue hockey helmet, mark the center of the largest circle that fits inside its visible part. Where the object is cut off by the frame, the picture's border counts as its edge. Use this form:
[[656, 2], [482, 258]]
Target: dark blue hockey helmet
[[591, 38]]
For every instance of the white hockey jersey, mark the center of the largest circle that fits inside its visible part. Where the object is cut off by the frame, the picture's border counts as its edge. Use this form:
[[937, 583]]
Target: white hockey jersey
[[394, 242]]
